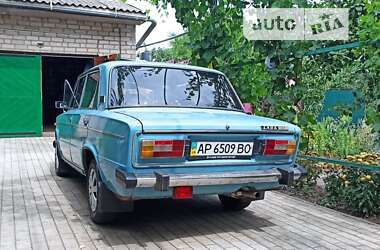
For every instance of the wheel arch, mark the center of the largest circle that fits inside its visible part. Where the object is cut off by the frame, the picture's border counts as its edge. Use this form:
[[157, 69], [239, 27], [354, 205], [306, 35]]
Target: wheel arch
[[89, 153], [56, 140]]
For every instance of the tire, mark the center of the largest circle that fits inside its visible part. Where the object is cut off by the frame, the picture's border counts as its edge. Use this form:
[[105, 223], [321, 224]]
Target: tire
[[234, 204], [95, 197], [61, 168]]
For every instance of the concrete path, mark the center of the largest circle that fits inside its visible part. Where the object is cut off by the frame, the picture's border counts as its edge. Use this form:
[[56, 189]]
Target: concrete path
[[41, 211]]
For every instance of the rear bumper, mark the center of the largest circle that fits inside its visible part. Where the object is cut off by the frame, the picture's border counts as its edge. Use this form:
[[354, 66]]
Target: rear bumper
[[163, 181]]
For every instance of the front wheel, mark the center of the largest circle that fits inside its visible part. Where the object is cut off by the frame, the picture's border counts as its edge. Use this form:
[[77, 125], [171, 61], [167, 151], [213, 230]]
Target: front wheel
[[94, 187], [234, 204]]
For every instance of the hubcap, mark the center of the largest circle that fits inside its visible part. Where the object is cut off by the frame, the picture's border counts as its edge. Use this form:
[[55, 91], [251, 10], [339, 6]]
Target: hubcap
[[93, 190]]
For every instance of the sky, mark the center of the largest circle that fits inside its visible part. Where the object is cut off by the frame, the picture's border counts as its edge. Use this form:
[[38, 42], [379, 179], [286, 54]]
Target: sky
[[166, 24]]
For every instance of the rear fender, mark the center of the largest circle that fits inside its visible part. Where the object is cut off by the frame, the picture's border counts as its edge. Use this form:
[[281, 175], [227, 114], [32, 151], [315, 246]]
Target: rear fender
[[92, 150], [101, 169], [109, 202]]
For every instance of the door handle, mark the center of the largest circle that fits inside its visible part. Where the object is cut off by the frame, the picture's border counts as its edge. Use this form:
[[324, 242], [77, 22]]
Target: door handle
[[85, 121]]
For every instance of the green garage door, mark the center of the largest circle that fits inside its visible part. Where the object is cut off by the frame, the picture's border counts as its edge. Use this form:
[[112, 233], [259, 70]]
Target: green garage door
[[20, 96]]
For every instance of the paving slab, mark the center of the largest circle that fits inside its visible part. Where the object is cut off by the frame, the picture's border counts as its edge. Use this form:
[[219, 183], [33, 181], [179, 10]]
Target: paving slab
[[39, 210]]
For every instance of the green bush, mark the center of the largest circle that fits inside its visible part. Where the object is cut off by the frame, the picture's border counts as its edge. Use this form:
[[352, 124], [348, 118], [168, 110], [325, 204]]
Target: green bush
[[350, 189], [355, 190], [339, 138]]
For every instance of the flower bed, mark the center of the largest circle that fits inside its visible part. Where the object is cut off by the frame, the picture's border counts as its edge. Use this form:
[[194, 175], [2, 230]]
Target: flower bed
[[355, 190], [353, 186]]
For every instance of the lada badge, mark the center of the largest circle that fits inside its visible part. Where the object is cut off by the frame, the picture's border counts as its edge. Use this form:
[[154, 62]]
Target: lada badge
[[274, 128]]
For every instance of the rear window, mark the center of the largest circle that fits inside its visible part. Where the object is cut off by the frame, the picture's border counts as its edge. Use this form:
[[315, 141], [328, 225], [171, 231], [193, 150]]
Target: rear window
[[156, 86]]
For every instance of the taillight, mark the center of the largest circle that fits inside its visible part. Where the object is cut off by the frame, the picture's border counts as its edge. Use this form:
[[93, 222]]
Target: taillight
[[279, 147], [162, 148]]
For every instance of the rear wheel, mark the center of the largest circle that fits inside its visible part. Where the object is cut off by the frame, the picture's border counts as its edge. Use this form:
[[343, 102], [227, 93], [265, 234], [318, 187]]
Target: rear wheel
[[60, 166], [234, 204], [94, 187]]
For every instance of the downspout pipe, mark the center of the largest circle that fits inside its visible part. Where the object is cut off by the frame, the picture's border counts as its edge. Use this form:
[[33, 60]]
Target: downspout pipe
[[152, 25]]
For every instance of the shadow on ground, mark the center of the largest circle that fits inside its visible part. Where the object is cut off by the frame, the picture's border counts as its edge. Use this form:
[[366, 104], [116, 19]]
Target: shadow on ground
[[161, 220]]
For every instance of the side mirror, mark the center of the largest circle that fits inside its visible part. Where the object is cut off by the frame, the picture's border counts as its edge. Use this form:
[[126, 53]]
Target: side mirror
[[60, 105], [248, 108]]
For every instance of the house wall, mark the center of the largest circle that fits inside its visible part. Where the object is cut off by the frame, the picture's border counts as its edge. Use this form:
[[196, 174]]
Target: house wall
[[65, 34]]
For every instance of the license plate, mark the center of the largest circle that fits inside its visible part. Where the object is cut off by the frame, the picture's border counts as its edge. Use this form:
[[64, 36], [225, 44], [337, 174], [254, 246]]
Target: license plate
[[221, 150]]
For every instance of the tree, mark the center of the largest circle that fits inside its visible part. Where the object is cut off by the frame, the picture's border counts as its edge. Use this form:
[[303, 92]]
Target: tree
[[179, 51], [291, 90]]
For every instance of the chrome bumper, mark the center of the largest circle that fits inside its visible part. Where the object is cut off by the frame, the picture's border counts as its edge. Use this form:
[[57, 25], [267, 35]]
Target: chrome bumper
[[163, 181]]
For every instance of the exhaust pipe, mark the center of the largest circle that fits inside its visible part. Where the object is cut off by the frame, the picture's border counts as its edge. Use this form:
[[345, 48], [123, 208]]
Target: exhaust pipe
[[248, 193]]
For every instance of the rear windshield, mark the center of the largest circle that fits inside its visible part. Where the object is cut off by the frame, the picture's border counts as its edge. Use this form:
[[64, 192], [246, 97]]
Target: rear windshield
[[156, 86]]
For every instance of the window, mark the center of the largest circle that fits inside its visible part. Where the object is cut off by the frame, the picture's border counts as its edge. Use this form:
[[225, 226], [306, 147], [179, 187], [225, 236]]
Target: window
[[77, 92], [215, 91], [137, 86], [90, 93], [123, 86], [159, 86], [184, 83]]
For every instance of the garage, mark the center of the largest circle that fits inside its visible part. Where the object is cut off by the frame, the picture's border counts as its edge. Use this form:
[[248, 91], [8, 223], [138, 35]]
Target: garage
[[42, 43], [25, 81], [55, 70], [20, 96]]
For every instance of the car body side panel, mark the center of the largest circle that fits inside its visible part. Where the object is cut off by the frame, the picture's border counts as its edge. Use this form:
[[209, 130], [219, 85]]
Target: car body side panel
[[79, 134], [63, 133], [111, 139]]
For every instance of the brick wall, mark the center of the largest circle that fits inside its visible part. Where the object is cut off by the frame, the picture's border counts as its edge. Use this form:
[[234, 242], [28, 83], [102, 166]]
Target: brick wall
[[63, 34]]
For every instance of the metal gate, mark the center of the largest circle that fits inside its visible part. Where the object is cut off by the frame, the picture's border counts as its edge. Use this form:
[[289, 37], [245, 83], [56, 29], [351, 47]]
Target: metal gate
[[20, 96]]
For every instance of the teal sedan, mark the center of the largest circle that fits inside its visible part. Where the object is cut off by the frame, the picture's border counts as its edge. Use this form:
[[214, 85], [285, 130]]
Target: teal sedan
[[143, 130]]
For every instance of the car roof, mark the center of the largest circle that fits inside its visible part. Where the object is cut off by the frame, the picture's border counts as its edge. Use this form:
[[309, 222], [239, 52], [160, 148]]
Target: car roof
[[112, 64]]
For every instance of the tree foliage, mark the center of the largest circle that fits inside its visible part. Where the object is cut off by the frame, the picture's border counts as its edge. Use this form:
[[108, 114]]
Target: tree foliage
[[294, 90], [178, 51]]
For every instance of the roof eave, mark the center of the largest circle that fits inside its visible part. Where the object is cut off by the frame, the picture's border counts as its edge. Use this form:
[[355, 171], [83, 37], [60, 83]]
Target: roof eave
[[136, 17]]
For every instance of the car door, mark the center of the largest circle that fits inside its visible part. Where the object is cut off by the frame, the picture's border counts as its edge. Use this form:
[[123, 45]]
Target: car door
[[64, 121], [89, 101], [78, 130], [65, 131]]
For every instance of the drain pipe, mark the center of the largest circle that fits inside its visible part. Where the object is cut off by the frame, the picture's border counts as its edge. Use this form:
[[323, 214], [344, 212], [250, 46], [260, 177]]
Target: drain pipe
[[153, 24]]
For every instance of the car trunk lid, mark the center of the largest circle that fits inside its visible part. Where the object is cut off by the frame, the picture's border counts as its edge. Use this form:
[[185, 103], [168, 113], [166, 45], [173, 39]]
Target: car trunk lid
[[162, 119], [203, 130]]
